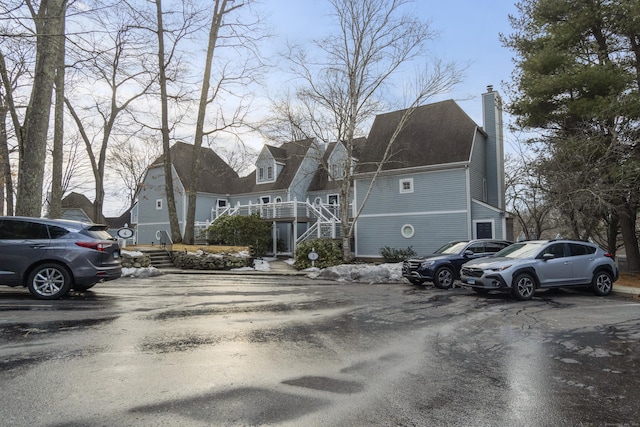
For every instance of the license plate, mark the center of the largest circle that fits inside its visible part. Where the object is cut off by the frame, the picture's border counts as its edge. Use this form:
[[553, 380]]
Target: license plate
[[116, 255], [471, 280]]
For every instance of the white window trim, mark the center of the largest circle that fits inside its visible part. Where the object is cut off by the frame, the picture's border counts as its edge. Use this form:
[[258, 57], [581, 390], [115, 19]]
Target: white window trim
[[263, 198], [158, 204], [407, 231], [337, 196], [278, 199], [401, 185]]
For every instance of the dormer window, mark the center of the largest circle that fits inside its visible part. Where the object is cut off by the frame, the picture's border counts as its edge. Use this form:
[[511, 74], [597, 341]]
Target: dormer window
[[337, 171], [261, 174], [270, 173]]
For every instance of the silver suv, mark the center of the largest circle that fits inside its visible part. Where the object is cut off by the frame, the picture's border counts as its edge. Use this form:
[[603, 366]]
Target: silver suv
[[523, 267], [51, 257]]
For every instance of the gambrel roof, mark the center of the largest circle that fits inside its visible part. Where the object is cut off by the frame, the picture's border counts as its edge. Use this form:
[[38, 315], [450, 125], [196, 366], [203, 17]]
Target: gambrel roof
[[439, 133], [215, 175]]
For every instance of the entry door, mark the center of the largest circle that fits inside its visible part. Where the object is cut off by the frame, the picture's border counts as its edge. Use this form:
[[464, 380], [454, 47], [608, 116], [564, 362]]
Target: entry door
[[484, 230]]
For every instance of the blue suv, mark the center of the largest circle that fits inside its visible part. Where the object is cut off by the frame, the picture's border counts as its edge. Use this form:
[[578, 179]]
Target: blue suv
[[443, 267]]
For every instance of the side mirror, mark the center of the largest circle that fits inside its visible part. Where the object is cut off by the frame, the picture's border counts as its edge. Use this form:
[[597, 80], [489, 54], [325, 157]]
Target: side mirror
[[468, 253], [547, 257]]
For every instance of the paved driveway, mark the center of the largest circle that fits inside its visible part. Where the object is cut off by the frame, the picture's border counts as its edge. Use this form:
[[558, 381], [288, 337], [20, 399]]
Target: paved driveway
[[209, 350]]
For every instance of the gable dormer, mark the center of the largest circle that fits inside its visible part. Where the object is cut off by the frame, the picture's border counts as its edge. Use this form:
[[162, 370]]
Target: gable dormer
[[268, 167], [336, 162]]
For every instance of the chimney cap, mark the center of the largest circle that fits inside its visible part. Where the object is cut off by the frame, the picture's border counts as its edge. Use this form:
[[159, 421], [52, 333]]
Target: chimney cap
[[489, 88]]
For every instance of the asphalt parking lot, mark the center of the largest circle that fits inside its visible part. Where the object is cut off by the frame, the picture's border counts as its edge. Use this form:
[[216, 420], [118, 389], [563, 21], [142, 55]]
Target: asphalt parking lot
[[192, 349]]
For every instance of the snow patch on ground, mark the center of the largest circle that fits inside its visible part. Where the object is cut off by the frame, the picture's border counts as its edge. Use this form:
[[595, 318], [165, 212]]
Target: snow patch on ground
[[360, 273], [141, 272]]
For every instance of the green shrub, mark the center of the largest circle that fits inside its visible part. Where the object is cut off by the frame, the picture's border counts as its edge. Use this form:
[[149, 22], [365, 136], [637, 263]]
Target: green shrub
[[241, 231], [329, 253], [396, 255]]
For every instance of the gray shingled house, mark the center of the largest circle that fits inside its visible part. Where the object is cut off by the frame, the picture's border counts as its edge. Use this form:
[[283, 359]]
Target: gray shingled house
[[443, 181]]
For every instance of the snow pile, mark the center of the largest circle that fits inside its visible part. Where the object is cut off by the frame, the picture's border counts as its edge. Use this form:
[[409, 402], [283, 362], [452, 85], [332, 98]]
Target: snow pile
[[142, 272], [258, 265], [360, 273]]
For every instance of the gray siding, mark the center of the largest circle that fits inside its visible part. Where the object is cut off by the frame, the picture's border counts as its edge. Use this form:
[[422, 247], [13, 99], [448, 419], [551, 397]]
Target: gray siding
[[482, 212], [443, 190], [304, 174], [477, 168], [436, 209], [431, 232], [150, 219]]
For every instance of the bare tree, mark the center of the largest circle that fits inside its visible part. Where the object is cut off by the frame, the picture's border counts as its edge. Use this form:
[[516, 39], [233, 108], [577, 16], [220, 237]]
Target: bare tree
[[117, 63], [232, 74], [129, 160], [376, 39], [48, 18]]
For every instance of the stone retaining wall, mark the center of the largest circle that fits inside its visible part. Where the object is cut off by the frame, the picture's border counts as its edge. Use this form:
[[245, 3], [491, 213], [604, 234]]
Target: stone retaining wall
[[205, 261], [136, 261]]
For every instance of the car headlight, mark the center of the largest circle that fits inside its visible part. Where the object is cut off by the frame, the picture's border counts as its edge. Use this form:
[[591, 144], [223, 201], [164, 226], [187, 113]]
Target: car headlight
[[501, 268], [425, 264]]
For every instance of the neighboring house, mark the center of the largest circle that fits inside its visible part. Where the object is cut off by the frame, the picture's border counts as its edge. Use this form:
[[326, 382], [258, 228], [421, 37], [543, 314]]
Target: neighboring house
[[78, 207], [443, 181]]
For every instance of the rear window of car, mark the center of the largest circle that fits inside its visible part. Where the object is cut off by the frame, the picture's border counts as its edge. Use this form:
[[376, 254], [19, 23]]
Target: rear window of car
[[577, 249], [98, 232], [22, 230]]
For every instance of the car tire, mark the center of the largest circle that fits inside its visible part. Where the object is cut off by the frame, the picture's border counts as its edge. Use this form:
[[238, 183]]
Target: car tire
[[602, 283], [481, 291], [49, 281], [443, 278], [523, 287]]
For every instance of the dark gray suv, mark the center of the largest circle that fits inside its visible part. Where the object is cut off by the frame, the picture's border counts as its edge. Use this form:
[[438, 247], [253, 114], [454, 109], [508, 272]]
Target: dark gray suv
[[51, 257]]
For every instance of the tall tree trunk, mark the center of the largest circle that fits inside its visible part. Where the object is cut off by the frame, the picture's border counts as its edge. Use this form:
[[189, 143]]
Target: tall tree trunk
[[176, 235], [55, 199], [627, 217], [192, 191], [36, 127]]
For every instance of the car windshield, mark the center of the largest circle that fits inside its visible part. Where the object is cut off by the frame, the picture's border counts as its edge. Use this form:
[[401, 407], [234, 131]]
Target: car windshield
[[521, 250], [452, 248]]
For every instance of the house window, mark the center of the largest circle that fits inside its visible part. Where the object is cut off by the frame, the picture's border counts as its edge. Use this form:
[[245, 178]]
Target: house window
[[406, 185], [222, 203], [332, 199], [278, 199], [270, 173], [159, 204], [407, 231], [337, 172], [261, 174], [318, 201], [265, 199]]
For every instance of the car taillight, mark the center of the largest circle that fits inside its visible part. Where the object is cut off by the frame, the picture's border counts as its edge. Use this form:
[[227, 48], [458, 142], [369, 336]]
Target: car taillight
[[608, 255], [98, 246]]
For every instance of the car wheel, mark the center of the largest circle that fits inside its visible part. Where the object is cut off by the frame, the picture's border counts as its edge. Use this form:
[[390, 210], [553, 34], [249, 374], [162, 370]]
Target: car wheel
[[602, 283], [49, 281], [416, 281], [481, 291], [443, 278], [523, 287]]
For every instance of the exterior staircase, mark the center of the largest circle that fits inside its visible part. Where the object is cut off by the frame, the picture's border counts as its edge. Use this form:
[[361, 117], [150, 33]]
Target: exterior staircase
[[160, 258]]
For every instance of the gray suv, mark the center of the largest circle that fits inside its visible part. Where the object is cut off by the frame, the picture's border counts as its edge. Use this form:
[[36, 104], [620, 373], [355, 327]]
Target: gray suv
[[523, 267], [51, 257]]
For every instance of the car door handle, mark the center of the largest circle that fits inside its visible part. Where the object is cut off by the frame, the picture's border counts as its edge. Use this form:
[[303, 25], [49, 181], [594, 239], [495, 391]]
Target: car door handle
[[38, 246]]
